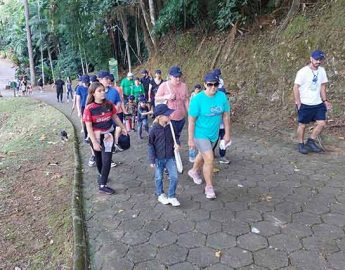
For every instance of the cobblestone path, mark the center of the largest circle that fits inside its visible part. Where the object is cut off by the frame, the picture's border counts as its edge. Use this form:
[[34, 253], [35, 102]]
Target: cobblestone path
[[275, 209]]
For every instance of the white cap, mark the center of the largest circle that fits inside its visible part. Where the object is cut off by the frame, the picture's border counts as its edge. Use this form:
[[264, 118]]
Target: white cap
[[130, 74]]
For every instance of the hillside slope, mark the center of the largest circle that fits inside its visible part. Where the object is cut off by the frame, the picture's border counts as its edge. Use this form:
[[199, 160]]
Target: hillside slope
[[262, 64]]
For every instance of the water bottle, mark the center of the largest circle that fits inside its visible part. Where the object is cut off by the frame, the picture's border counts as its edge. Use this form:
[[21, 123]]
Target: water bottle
[[192, 154]]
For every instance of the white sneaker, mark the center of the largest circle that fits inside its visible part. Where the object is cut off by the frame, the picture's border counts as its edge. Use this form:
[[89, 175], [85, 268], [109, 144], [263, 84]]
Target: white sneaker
[[224, 160], [174, 202], [209, 192], [163, 199], [195, 176]]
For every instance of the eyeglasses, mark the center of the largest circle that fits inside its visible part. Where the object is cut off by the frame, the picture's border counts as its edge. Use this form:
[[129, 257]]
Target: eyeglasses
[[216, 84]]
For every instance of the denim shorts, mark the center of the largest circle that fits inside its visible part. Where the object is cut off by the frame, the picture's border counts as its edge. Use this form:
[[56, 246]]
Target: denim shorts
[[311, 113]]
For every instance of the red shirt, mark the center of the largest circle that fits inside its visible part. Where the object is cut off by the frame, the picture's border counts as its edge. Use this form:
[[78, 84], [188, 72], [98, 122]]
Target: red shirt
[[100, 115]]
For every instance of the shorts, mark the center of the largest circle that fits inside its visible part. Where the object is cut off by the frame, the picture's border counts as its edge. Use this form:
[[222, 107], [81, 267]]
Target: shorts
[[203, 145], [120, 116], [311, 113]]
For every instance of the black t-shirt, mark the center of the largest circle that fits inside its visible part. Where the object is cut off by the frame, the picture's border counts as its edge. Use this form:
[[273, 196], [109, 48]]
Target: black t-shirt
[[59, 84]]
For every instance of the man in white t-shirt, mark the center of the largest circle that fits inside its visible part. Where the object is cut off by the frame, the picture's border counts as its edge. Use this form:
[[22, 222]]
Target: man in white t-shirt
[[311, 101]]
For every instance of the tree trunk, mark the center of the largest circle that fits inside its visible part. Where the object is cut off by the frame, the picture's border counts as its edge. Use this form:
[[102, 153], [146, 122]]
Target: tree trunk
[[147, 39], [123, 18], [292, 12], [41, 42], [152, 12], [81, 59], [29, 41], [137, 40], [51, 62], [147, 23], [184, 14]]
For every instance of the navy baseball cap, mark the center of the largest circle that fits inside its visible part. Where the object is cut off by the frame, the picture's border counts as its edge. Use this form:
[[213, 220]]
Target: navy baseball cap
[[197, 86], [93, 78], [158, 71], [217, 71], [318, 55], [85, 79], [124, 141], [162, 109], [211, 77], [175, 71], [144, 72], [103, 74], [111, 77]]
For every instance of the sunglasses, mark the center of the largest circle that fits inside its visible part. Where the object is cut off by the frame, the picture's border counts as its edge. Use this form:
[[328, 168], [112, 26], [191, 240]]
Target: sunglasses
[[216, 84]]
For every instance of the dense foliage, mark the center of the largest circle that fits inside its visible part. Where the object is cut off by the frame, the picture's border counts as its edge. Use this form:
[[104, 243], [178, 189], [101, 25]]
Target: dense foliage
[[71, 37]]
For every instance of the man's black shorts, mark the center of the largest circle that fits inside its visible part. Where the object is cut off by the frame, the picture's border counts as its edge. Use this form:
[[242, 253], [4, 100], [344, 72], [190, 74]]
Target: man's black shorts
[[311, 113]]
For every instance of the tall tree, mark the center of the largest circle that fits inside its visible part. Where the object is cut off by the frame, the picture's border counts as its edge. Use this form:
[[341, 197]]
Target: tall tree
[[29, 41]]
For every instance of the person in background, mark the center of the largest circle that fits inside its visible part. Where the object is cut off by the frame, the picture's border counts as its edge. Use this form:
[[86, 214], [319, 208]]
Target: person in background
[[218, 73], [40, 84], [153, 87], [161, 148], [59, 89], [143, 113], [131, 108], [69, 89], [137, 89], [127, 85], [197, 89], [145, 81], [99, 116], [311, 101]]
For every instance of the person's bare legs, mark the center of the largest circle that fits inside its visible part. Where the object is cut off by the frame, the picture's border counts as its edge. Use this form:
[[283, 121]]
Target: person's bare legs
[[208, 158], [300, 132], [198, 162], [320, 124]]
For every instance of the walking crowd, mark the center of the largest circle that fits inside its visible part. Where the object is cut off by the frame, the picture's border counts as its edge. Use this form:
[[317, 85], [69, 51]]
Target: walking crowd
[[109, 113]]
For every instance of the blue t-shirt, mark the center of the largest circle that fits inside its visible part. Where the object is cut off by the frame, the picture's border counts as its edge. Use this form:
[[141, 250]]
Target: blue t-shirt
[[112, 95], [82, 91], [208, 112]]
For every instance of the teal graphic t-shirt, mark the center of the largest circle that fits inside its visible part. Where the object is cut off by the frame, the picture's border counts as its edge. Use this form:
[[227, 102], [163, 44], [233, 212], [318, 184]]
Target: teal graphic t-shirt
[[208, 111]]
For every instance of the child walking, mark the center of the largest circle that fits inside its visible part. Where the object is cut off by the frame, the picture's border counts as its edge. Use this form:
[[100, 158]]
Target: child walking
[[143, 112], [98, 116], [161, 154]]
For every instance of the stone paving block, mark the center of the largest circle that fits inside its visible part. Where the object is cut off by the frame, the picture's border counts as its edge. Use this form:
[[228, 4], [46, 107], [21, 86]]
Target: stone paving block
[[235, 228], [191, 240], [323, 245], [236, 257], [220, 240], [156, 225], [208, 226], [252, 241], [150, 214], [337, 260], [218, 266], [334, 219], [316, 206], [271, 258], [202, 257], [127, 214], [198, 215], [288, 207], [236, 206], [253, 267], [285, 242], [141, 253], [149, 265], [249, 216], [306, 218], [262, 206], [114, 263], [327, 231], [172, 215], [341, 244], [182, 266], [163, 238], [136, 237], [298, 230], [338, 208], [222, 215], [172, 254], [211, 204], [266, 228], [307, 260], [181, 226], [133, 224]]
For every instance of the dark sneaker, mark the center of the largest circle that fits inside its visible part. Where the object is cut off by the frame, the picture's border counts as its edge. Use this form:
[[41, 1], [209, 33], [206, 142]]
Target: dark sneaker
[[106, 190], [302, 148], [312, 146], [92, 161]]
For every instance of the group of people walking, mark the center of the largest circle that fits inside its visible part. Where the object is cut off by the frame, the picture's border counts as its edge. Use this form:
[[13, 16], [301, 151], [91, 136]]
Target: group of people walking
[[104, 109]]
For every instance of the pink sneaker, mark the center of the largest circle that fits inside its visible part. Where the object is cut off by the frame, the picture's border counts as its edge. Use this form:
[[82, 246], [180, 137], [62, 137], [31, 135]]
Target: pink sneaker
[[196, 177], [209, 191]]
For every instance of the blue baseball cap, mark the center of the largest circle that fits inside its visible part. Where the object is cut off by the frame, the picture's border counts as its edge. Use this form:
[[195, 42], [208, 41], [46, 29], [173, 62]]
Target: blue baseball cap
[[85, 79], [197, 86], [217, 71], [103, 74], [175, 71], [111, 77], [318, 55], [211, 77], [144, 72], [93, 78], [158, 71], [162, 109]]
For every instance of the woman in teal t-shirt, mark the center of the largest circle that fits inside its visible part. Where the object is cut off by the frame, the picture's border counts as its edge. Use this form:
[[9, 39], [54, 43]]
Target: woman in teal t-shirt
[[206, 112]]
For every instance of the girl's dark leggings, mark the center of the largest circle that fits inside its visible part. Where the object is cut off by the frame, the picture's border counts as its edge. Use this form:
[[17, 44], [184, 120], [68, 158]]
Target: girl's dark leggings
[[221, 136], [103, 162], [59, 94]]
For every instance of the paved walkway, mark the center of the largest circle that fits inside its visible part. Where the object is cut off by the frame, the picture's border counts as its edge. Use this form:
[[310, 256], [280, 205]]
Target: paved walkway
[[275, 209]]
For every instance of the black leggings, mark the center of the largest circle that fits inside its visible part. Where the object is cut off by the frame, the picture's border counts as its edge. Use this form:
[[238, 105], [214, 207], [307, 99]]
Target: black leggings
[[103, 162], [221, 136], [59, 94]]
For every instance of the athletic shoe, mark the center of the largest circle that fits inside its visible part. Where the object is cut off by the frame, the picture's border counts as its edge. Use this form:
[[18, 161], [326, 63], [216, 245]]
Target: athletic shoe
[[92, 161], [224, 160], [209, 191], [302, 149], [87, 140], [163, 199], [113, 164], [165, 171], [106, 190], [174, 202], [117, 148], [312, 146], [195, 176]]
